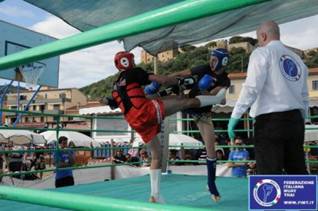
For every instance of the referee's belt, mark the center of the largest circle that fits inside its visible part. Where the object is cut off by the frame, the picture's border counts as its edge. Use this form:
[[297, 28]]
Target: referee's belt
[[295, 113]]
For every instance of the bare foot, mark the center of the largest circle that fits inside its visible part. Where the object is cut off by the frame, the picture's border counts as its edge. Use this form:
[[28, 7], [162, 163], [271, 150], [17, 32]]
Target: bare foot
[[215, 198], [152, 199], [159, 200]]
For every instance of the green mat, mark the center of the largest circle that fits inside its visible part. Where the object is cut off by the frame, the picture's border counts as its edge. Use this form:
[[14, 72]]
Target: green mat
[[176, 189]]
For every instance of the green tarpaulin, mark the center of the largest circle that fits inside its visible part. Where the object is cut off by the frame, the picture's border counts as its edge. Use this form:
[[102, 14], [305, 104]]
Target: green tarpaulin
[[85, 15]]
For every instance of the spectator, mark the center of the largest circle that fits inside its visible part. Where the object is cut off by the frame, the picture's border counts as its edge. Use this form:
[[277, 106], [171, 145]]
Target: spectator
[[251, 168], [202, 155], [227, 149], [173, 157], [219, 150], [238, 154], [133, 152], [313, 151], [15, 160], [132, 156], [133, 161], [219, 154], [119, 157], [63, 159], [39, 162], [188, 155], [144, 158], [71, 144]]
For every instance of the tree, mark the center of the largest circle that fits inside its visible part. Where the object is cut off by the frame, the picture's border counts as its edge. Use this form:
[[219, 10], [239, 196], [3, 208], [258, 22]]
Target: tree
[[238, 39], [212, 44], [235, 39], [187, 47], [238, 60], [311, 59]]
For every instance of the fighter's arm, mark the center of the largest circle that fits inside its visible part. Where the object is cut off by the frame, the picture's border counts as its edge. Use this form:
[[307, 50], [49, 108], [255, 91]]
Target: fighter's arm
[[109, 101], [175, 81], [164, 80], [181, 73]]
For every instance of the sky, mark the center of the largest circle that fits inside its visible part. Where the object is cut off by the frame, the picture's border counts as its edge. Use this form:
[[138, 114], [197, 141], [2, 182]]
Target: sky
[[96, 63]]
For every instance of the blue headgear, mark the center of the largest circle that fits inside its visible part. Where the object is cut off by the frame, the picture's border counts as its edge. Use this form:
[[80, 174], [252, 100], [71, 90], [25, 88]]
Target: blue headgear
[[223, 57]]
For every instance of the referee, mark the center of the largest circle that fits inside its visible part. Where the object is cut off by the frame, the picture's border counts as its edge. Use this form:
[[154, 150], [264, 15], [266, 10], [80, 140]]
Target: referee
[[276, 91]]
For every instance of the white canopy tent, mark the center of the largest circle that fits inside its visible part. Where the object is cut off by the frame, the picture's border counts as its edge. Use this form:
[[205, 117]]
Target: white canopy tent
[[20, 137], [79, 139], [177, 140]]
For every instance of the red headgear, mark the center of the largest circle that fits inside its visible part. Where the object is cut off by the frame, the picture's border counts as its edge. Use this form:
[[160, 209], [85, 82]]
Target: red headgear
[[124, 60]]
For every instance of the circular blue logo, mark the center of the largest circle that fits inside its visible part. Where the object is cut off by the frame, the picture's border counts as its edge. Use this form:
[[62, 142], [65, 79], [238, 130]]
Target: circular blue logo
[[267, 193], [289, 68]]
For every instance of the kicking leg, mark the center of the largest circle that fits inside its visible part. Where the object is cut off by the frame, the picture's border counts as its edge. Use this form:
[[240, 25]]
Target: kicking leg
[[174, 104]]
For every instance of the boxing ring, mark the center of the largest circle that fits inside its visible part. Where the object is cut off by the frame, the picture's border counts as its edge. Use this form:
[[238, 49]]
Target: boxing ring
[[181, 192]]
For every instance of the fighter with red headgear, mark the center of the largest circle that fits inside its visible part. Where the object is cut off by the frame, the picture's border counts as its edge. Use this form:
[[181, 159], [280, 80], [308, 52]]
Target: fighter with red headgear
[[146, 115], [124, 60]]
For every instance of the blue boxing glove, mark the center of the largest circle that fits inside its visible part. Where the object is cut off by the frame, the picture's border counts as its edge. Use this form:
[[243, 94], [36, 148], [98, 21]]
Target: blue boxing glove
[[206, 82], [230, 127], [152, 88]]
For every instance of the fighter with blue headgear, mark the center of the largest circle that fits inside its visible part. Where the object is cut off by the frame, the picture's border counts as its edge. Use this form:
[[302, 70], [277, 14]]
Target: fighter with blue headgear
[[211, 79], [219, 59]]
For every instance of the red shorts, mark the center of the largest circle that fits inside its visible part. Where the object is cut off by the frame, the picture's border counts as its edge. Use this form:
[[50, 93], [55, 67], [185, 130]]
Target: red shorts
[[147, 119]]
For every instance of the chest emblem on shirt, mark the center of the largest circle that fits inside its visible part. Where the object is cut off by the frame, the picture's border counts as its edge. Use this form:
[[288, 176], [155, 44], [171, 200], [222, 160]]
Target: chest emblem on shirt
[[289, 68]]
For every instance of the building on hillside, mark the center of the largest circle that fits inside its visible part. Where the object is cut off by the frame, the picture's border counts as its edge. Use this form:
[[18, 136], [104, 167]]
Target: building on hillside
[[248, 47], [74, 110], [77, 122], [162, 57], [53, 101]]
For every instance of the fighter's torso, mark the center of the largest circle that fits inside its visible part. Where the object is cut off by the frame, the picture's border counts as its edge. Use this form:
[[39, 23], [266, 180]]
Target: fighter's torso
[[219, 80], [128, 91]]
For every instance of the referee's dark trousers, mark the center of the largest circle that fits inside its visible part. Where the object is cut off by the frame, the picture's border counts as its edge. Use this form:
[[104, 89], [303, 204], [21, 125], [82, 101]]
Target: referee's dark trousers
[[279, 139]]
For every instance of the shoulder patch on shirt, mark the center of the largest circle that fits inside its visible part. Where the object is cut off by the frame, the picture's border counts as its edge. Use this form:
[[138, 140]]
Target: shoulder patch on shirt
[[289, 68]]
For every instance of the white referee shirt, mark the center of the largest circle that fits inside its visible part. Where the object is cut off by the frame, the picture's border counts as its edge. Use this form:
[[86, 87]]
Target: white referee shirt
[[276, 81]]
